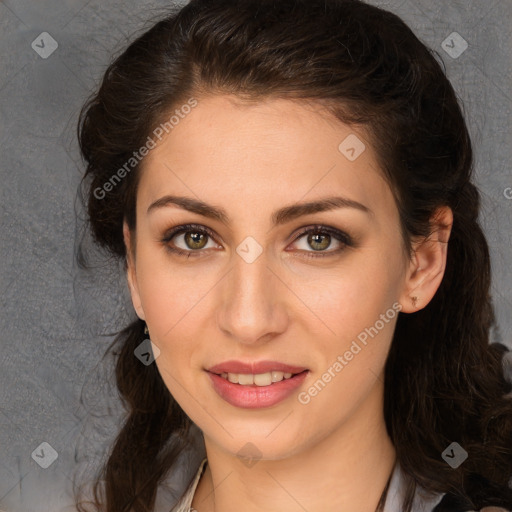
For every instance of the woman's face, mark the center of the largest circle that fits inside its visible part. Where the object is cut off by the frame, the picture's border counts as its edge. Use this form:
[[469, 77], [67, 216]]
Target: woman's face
[[248, 285]]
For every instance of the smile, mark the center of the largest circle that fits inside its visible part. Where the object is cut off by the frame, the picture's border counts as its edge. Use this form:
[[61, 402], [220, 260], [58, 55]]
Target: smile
[[260, 379], [256, 390]]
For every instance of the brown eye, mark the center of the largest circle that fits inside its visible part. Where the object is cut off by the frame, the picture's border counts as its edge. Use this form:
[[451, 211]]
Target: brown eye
[[319, 242], [188, 240], [320, 238], [195, 239]]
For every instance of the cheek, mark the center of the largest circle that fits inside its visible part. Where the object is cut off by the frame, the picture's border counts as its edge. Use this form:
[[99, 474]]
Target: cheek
[[353, 339], [173, 300], [353, 321], [170, 293], [347, 298]]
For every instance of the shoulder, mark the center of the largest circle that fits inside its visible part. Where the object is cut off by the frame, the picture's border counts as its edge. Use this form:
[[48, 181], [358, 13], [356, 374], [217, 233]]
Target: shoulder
[[426, 502], [451, 503], [185, 503]]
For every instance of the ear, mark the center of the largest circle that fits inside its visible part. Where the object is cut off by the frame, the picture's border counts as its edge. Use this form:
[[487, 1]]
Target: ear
[[131, 273], [427, 266]]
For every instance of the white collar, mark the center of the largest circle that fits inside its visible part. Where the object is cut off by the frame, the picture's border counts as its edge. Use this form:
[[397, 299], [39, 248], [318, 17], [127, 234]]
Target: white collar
[[422, 501]]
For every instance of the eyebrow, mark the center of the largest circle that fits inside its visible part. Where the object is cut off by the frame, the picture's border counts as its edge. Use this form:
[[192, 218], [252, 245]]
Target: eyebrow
[[281, 216]]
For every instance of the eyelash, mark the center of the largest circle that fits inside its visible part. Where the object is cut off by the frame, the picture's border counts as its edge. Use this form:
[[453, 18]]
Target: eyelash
[[342, 237]]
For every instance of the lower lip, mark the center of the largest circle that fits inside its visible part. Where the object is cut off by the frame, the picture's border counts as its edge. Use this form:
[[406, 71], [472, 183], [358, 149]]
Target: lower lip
[[254, 397]]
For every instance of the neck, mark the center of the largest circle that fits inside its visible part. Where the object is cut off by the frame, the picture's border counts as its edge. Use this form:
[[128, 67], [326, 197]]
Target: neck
[[346, 470]]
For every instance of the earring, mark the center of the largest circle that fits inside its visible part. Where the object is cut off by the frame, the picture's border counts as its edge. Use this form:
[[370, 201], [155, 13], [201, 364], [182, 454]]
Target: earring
[[414, 300], [146, 330]]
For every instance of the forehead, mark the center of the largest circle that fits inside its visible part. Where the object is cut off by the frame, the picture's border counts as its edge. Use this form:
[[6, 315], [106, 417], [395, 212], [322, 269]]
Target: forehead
[[265, 149]]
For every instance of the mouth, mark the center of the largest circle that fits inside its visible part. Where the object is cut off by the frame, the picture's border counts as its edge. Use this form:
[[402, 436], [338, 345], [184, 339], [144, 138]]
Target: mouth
[[254, 368], [258, 379], [254, 391]]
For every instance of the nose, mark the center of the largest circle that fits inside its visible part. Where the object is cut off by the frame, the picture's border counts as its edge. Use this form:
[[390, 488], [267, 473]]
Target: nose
[[252, 307]]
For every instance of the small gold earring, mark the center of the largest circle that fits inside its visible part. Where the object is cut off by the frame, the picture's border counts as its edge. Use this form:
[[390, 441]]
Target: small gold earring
[[146, 331], [414, 300]]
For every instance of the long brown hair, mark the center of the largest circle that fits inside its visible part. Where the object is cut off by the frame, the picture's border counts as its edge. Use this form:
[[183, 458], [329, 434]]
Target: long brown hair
[[443, 380]]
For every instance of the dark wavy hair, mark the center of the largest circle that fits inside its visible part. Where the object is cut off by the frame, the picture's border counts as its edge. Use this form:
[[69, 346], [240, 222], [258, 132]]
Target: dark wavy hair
[[444, 381]]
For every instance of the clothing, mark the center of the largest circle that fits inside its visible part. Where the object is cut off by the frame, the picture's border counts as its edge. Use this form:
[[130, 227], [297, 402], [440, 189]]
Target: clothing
[[439, 503], [185, 504]]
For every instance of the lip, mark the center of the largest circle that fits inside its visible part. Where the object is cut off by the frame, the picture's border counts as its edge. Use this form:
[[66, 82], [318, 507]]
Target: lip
[[254, 397], [254, 367]]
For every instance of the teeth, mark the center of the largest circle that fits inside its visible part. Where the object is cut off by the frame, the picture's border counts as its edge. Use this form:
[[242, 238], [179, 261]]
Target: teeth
[[260, 379]]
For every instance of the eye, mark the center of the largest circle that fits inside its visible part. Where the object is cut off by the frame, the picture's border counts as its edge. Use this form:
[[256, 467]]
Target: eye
[[319, 238], [194, 238]]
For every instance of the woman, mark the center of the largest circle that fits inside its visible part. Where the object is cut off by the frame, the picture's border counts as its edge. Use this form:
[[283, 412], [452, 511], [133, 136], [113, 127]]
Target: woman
[[289, 184]]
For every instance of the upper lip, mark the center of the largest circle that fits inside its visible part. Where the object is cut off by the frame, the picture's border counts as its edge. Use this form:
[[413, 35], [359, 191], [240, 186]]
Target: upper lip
[[254, 367]]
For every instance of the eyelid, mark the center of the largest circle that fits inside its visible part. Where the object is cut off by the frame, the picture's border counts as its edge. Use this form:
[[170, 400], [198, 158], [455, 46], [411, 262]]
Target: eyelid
[[184, 228], [342, 237], [320, 228]]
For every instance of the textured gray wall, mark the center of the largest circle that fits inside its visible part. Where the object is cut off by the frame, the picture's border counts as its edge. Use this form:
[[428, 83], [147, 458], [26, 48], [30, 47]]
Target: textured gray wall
[[55, 319]]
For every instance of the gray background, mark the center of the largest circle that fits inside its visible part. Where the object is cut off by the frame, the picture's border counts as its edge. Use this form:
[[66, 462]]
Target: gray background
[[55, 319]]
